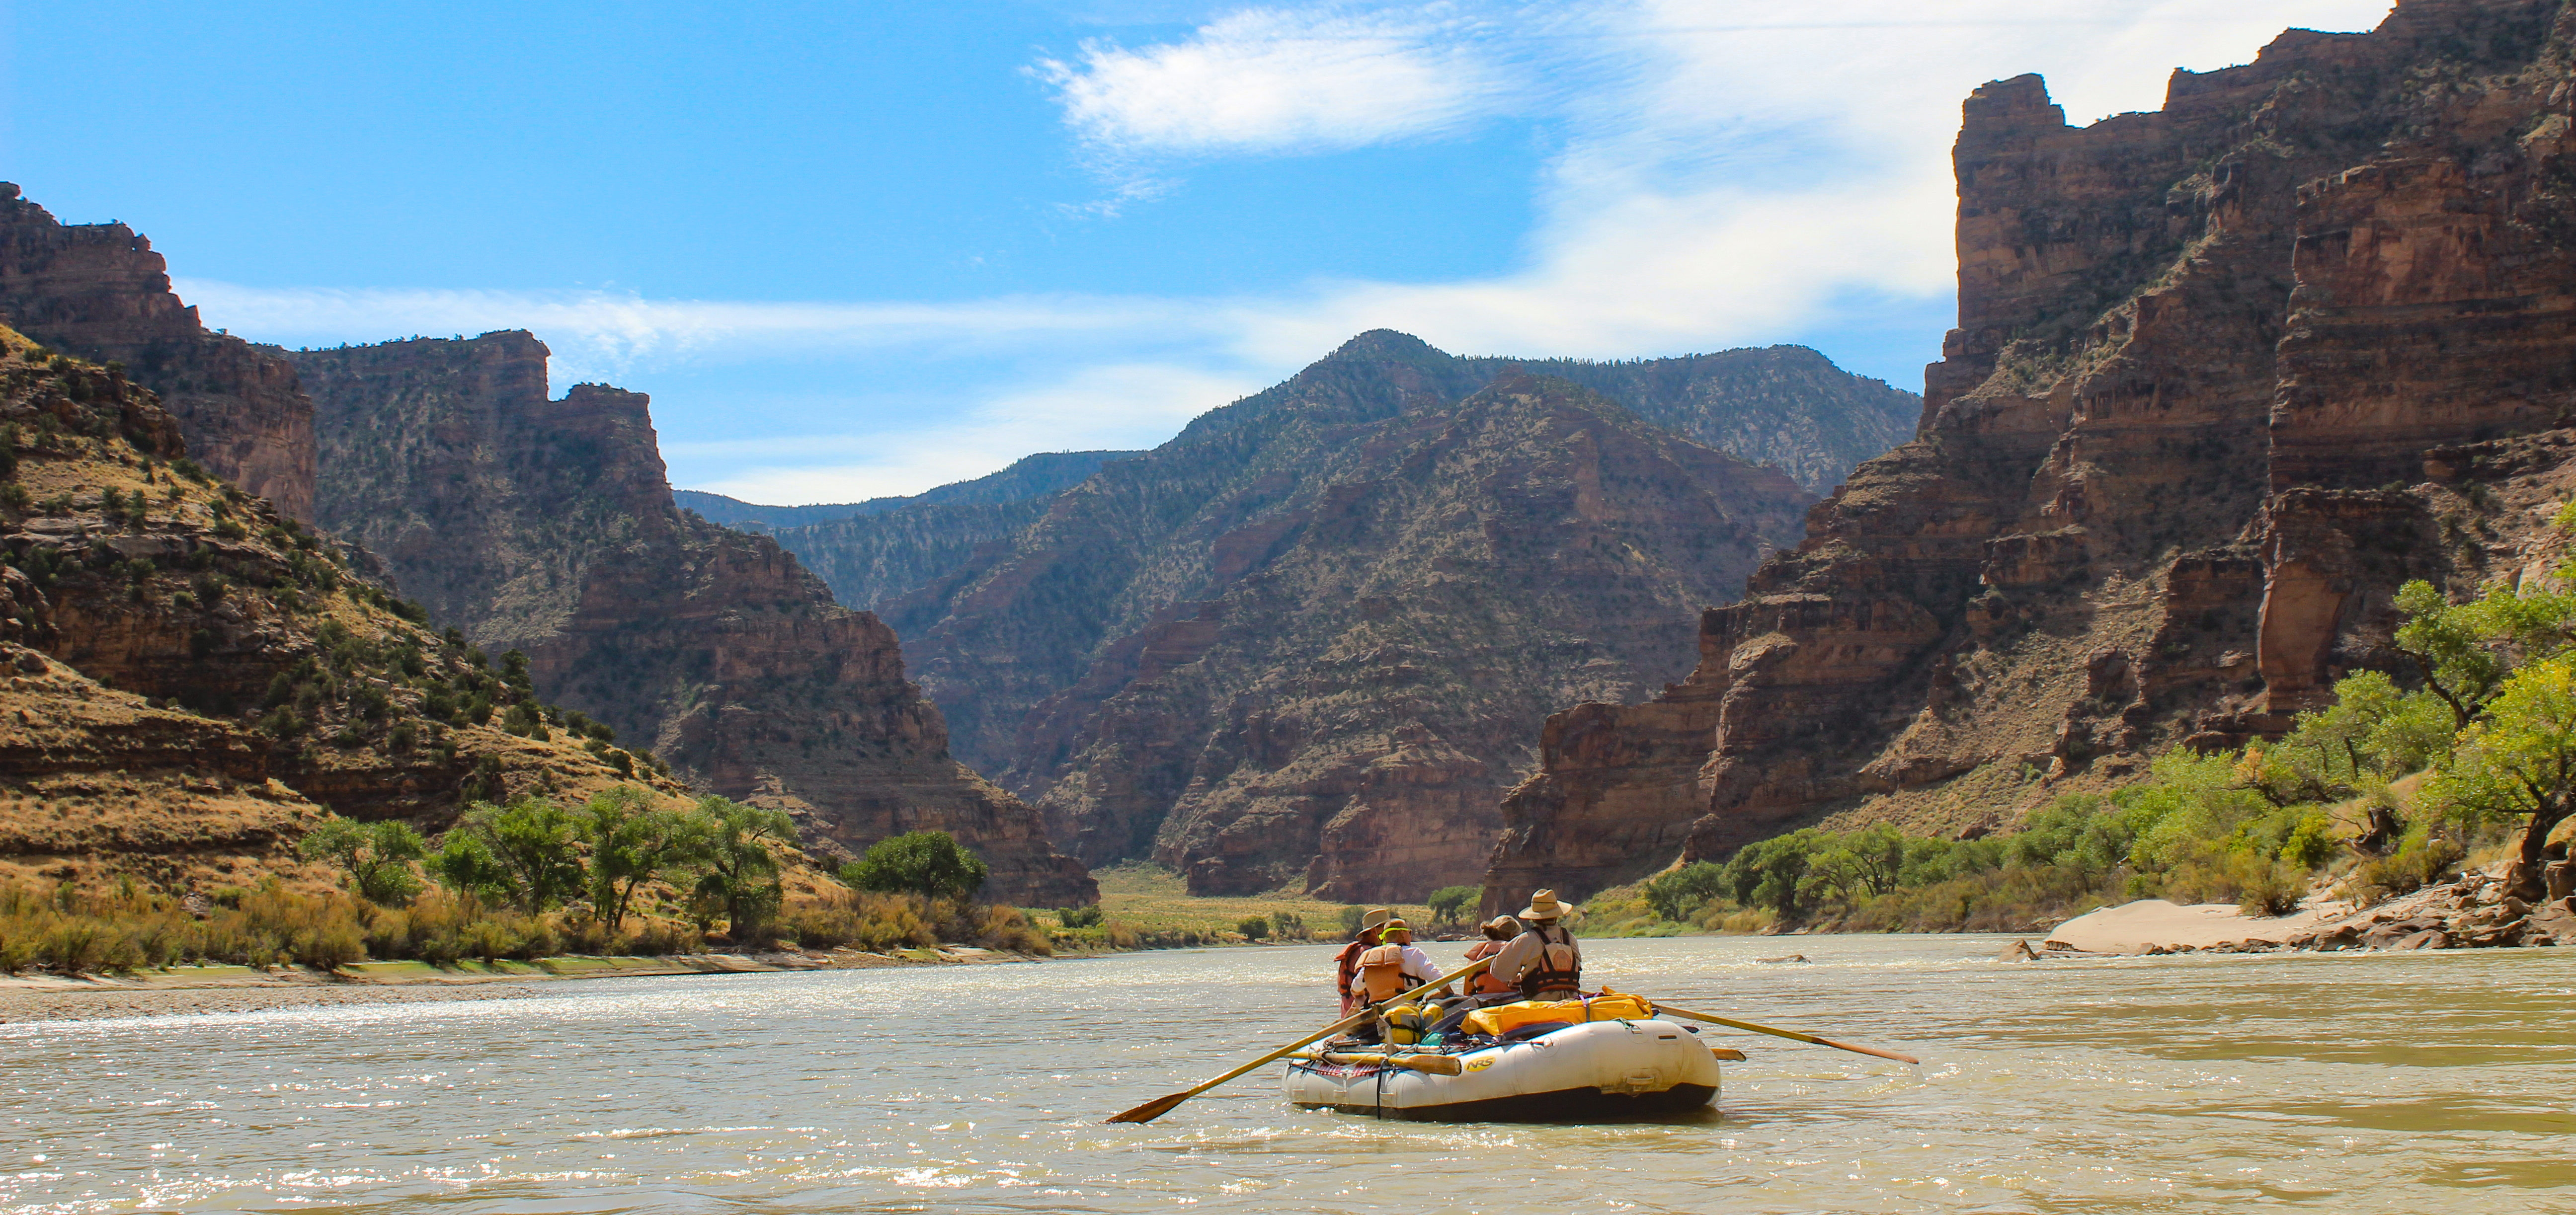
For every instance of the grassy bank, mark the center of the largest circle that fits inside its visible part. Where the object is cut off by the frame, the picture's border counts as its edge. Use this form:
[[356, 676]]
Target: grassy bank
[[2200, 829], [1144, 906]]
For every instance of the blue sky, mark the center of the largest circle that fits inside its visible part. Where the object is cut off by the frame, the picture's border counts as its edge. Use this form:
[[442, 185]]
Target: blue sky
[[856, 249]]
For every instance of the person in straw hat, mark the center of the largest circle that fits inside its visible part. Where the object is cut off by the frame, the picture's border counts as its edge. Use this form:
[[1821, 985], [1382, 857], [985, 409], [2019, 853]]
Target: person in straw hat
[[1346, 964], [1543, 961]]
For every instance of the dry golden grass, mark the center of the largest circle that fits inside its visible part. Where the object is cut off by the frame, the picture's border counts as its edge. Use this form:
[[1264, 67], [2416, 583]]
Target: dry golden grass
[[1153, 903]]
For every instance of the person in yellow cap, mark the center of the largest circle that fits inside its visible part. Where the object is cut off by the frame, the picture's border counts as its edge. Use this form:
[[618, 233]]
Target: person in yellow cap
[[1543, 961], [1346, 964], [1389, 969]]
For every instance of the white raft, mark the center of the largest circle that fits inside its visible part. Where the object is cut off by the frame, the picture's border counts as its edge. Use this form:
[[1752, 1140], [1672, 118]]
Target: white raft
[[1595, 1071]]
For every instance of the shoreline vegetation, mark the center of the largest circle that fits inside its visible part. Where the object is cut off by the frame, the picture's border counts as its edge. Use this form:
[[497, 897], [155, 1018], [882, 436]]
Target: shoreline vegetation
[[2463, 783]]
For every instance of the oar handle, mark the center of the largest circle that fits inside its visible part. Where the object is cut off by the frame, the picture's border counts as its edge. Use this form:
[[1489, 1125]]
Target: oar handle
[[1791, 1034], [1159, 1106]]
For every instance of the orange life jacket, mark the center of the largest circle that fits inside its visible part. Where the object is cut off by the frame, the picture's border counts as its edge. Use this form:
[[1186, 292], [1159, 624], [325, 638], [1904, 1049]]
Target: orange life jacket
[[1382, 972], [1346, 964], [1485, 983]]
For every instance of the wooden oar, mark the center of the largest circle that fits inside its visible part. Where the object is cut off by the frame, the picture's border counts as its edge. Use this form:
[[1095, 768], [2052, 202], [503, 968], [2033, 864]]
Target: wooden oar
[[1437, 1065], [1790, 1034], [1160, 1106]]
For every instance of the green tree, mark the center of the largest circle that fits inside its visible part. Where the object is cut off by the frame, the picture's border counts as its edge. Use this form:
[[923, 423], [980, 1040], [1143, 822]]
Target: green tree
[[2518, 761], [1253, 927], [522, 853], [2465, 651], [1767, 873], [1449, 903], [931, 864], [1676, 894], [738, 870], [632, 842], [377, 857]]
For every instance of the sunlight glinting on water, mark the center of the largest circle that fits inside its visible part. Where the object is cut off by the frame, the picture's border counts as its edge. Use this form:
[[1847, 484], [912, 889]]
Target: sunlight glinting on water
[[2172, 1084]]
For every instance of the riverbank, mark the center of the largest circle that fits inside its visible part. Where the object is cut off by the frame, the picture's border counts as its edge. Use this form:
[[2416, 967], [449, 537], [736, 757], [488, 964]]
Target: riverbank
[[192, 990], [2471, 912]]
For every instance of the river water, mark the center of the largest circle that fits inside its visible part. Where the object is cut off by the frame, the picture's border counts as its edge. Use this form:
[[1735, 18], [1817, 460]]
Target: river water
[[2430, 1081]]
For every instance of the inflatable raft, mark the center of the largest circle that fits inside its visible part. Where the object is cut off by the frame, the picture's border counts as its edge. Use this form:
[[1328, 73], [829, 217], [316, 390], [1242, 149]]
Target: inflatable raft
[[1594, 1071]]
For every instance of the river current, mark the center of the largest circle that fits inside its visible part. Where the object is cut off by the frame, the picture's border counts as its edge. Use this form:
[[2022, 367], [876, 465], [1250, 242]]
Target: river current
[[2432, 1081]]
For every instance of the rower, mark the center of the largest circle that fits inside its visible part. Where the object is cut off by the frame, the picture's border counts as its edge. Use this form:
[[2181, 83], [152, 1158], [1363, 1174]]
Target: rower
[[1543, 961], [1346, 963]]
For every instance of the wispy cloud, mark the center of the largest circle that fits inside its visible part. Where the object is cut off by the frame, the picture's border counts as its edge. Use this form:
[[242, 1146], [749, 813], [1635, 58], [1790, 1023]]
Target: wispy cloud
[[1272, 80], [1111, 407], [1724, 173], [597, 333]]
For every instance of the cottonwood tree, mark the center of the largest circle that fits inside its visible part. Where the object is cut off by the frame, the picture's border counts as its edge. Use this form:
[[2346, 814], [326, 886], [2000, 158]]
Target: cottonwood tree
[[2518, 760], [737, 866], [632, 841], [931, 864], [522, 853], [377, 856]]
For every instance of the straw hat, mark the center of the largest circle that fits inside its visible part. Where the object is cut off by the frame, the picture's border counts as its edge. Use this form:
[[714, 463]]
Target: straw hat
[[1543, 906], [1376, 917]]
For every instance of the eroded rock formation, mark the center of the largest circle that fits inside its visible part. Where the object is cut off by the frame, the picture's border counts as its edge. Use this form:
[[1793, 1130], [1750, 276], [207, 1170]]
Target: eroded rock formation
[[188, 680], [548, 525], [2225, 375], [1307, 642], [100, 292]]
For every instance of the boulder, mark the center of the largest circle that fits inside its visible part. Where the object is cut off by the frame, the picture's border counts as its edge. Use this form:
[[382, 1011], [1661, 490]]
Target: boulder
[[2430, 938]]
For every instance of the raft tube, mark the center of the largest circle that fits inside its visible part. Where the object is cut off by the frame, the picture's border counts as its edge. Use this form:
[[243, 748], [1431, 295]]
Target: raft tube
[[1600, 1071]]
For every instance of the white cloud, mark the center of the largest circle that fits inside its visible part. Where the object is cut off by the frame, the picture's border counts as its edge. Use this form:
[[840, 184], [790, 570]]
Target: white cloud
[[1269, 80], [1725, 172], [600, 335], [1113, 407]]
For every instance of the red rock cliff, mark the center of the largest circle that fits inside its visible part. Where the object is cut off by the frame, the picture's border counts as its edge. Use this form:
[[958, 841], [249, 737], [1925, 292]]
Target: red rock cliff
[[2183, 445], [548, 525], [99, 291]]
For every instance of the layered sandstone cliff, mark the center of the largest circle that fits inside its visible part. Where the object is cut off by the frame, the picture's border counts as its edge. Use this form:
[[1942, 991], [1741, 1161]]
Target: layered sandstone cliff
[[548, 525], [2204, 410], [1306, 642], [100, 292], [188, 680]]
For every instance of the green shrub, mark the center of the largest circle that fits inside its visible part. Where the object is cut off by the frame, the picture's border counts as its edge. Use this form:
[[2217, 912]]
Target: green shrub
[[929, 863], [1253, 928]]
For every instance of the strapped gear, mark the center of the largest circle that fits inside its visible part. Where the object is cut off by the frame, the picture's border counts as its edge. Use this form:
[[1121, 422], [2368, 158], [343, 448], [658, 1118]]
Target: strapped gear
[[1556, 967]]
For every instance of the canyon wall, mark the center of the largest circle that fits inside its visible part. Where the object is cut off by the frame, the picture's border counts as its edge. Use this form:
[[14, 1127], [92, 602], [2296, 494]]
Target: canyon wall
[[1307, 642], [2225, 374], [100, 292], [189, 679], [547, 525]]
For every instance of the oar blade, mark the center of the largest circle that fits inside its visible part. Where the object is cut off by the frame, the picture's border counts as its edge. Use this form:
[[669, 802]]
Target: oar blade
[[1437, 1065], [1153, 1109], [1870, 1050]]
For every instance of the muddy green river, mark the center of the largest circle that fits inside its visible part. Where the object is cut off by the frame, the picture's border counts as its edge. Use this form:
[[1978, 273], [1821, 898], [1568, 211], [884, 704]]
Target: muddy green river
[[2416, 1082]]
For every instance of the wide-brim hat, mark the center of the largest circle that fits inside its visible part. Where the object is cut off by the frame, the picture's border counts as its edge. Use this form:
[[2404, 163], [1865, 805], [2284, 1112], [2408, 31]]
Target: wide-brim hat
[[1376, 917], [1543, 906]]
